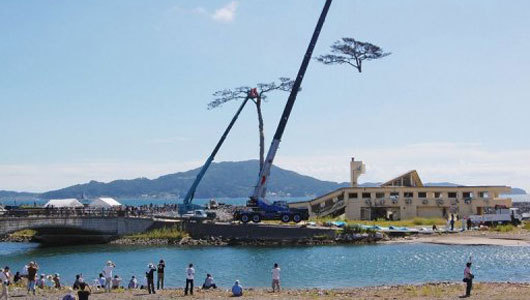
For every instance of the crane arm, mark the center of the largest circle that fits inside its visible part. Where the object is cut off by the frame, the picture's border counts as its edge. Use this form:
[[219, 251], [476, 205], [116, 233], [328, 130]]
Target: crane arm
[[260, 189], [191, 192]]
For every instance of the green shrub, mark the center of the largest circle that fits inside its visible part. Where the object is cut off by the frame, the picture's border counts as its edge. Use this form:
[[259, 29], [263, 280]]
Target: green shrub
[[171, 233], [355, 228], [503, 228]]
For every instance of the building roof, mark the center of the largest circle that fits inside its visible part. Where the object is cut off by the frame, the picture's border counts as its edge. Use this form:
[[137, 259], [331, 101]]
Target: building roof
[[104, 202], [58, 203], [410, 179]]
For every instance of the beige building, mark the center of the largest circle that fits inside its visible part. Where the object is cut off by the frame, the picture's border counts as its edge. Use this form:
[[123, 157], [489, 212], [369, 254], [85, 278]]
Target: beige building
[[404, 197]]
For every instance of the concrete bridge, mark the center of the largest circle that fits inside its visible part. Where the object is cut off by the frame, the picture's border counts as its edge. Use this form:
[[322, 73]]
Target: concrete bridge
[[72, 229]]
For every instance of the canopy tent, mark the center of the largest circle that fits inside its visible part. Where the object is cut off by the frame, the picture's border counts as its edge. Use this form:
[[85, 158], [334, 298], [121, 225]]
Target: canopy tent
[[104, 203], [60, 203]]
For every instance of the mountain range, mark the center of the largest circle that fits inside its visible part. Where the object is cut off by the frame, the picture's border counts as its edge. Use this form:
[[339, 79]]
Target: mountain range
[[223, 179]]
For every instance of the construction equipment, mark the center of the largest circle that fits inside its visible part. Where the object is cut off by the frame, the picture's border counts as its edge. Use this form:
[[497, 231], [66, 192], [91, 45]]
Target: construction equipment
[[258, 208], [186, 207]]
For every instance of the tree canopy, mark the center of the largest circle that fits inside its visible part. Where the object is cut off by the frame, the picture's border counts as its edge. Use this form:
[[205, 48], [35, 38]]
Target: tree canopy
[[352, 52]]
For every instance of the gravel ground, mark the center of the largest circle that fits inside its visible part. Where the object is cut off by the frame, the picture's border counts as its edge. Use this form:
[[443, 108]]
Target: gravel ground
[[490, 291]]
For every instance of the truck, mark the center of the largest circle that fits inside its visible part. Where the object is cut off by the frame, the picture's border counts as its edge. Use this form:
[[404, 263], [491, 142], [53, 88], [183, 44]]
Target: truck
[[502, 215], [258, 208], [278, 210]]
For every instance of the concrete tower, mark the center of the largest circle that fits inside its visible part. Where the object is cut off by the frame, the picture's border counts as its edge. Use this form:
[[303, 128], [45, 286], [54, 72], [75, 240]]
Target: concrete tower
[[356, 169]]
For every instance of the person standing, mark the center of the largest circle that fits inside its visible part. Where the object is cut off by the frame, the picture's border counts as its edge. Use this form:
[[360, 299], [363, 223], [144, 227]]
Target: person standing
[[190, 276], [5, 276], [32, 273], [468, 279], [150, 275], [276, 278], [160, 274], [452, 222], [107, 272]]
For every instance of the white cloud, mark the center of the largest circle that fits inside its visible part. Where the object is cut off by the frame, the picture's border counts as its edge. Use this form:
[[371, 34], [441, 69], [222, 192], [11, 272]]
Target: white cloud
[[226, 13]]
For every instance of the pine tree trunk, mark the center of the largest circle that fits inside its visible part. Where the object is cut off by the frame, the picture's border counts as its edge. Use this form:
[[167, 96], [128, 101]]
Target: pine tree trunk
[[261, 134]]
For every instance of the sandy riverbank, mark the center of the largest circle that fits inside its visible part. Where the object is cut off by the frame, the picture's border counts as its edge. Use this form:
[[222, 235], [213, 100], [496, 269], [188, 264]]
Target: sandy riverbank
[[470, 238], [489, 291]]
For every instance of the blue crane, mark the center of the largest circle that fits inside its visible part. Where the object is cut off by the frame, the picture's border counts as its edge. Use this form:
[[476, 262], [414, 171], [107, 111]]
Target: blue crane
[[191, 192], [258, 208]]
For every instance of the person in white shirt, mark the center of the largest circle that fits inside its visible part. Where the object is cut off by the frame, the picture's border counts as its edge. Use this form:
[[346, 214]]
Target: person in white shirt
[[190, 276], [5, 276], [107, 272], [276, 278]]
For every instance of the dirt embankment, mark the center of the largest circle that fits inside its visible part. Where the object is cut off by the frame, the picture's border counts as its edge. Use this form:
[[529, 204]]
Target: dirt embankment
[[490, 291], [521, 238]]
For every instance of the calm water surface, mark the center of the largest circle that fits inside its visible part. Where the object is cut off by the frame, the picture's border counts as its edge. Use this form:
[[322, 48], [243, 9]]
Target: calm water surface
[[325, 267]]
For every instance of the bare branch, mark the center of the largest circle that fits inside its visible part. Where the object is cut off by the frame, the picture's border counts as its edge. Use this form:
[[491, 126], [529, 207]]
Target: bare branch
[[226, 95]]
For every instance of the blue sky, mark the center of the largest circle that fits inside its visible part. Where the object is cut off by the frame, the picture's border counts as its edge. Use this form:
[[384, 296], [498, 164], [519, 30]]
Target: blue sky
[[118, 89]]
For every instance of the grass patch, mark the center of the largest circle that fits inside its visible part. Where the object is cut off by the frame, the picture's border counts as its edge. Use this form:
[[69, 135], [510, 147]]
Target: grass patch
[[355, 228], [503, 228], [26, 233], [431, 291], [169, 233]]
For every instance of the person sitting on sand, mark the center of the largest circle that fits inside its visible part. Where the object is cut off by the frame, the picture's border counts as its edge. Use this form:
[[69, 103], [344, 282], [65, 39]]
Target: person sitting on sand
[[84, 291], [133, 283], [56, 281], [102, 281], [69, 296], [41, 282], [237, 289], [209, 282], [17, 277], [116, 281]]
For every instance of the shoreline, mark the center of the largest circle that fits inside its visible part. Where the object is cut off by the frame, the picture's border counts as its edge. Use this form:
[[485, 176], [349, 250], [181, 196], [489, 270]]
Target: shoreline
[[468, 238], [430, 290]]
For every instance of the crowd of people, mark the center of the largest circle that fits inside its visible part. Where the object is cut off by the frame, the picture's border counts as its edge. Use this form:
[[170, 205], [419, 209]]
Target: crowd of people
[[108, 281]]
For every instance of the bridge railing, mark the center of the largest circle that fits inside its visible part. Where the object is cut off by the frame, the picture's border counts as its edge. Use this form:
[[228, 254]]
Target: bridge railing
[[75, 212]]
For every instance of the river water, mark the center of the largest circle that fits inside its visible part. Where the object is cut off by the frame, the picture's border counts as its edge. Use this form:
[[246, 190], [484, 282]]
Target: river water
[[318, 266]]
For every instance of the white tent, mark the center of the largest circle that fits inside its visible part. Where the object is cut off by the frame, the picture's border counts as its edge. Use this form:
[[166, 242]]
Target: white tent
[[59, 203], [103, 202]]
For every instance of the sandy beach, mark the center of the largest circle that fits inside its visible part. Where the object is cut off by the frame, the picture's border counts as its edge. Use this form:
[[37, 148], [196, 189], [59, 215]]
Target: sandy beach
[[470, 238], [425, 291]]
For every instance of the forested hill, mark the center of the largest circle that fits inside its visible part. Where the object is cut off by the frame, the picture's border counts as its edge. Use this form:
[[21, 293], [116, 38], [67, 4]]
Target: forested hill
[[224, 179]]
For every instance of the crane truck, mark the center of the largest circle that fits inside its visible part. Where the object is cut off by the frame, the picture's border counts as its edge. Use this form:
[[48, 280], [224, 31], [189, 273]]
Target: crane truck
[[258, 208], [186, 209]]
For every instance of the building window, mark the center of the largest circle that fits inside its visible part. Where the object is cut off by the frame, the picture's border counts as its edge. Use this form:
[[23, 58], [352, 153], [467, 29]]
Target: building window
[[408, 194], [380, 195], [467, 195], [367, 195], [352, 195], [483, 195], [422, 195], [451, 194], [437, 195]]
